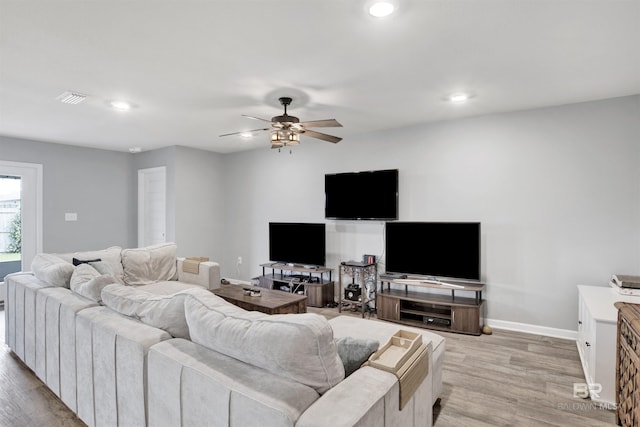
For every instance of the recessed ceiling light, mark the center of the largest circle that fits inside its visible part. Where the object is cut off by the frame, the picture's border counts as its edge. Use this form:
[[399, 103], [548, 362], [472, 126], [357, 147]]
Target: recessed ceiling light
[[459, 97], [134, 150], [246, 134], [120, 105], [381, 9]]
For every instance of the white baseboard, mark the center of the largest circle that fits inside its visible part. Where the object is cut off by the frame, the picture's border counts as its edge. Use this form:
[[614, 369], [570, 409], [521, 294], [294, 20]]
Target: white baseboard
[[533, 329]]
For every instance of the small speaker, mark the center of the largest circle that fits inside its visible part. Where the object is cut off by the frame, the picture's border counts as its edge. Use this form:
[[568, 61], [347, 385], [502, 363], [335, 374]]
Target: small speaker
[[352, 293]]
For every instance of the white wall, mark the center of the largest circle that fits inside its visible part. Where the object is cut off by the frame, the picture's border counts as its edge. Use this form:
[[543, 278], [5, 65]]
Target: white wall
[[557, 191]]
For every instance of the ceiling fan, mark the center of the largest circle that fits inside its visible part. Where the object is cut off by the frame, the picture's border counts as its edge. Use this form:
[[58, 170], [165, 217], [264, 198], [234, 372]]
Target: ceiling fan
[[286, 130]]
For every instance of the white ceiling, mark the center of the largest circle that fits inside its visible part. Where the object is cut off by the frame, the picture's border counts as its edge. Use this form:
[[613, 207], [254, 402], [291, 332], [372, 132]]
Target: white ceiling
[[192, 68]]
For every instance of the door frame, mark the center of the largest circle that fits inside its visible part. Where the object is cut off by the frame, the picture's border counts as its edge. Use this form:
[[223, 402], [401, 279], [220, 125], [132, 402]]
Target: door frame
[[141, 200], [31, 206]]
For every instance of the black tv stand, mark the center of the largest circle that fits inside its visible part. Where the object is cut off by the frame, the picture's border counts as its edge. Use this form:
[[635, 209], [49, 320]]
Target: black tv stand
[[310, 281]]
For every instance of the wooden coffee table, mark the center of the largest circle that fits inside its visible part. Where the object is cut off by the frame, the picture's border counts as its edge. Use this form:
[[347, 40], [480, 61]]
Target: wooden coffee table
[[269, 301]]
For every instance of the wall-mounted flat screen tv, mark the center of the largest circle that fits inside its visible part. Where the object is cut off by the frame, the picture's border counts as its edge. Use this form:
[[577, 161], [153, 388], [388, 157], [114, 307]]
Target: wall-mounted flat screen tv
[[439, 249], [369, 195], [297, 243]]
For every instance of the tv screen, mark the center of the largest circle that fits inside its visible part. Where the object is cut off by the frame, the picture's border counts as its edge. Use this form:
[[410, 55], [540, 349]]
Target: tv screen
[[369, 195], [439, 249], [297, 243]]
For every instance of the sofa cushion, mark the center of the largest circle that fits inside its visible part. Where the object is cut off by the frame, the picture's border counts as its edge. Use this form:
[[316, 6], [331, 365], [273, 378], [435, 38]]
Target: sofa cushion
[[167, 287], [111, 255], [161, 311], [88, 282], [297, 346], [52, 269], [354, 352], [150, 264]]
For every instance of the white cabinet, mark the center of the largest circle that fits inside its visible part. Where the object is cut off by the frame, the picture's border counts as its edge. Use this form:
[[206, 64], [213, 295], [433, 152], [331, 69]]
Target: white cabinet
[[597, 331]]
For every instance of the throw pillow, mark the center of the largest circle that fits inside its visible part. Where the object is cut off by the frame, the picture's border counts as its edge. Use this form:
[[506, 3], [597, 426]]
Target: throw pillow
[[88, 282], [354, 352], [52, 269], [143, 266], [161, 311], [295, 346], [110, 255], [104, 267]]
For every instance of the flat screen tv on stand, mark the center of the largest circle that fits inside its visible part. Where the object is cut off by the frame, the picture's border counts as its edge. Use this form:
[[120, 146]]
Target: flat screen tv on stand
[[441, 250], [298, 243]]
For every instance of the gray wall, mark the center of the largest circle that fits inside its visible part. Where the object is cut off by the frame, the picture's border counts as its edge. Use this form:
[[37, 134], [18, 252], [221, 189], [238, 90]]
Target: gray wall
[[557, 191], [96, 184], [195, 194]]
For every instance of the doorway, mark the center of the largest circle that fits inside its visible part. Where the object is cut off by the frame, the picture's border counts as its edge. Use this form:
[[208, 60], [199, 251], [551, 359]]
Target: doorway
[[10, 225], [152, 206], [21, 216]]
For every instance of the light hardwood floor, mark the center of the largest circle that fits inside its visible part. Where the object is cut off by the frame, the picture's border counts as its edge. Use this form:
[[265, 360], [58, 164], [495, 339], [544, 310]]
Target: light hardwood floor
[[504, 379]]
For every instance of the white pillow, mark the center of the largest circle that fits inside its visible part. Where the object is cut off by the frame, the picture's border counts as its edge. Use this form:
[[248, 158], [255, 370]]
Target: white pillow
[[111, 255], [161, 311], [88, 282], [296, 346], [52, 269], [143, 266]]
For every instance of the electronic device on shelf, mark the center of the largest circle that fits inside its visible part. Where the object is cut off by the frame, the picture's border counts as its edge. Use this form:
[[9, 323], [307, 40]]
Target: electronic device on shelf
[[447, 249], [437, 321], [353, 293], [297, 243], [368, 195]]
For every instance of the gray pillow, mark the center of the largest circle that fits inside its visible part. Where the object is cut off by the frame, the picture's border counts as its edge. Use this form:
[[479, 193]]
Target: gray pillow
[[354, 352], [88, 282], [52, 269]]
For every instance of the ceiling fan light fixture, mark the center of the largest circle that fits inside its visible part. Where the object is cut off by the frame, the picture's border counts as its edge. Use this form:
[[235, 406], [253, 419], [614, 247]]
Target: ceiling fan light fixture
[[246, 134], [284, 138]]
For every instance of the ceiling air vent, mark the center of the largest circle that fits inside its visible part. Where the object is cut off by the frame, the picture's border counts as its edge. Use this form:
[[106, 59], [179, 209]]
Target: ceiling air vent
[[71, 97]]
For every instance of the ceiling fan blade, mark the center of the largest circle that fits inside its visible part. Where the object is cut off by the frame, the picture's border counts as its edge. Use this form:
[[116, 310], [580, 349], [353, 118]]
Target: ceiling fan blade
[[322, 136], [329, 123], [256, 118], [244, 131]]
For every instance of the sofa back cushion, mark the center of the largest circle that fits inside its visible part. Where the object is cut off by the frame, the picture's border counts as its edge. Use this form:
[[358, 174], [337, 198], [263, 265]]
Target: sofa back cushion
[[150, 264], [52, 269], [111, 255], [296, 346], [88, 282], [164, 312]]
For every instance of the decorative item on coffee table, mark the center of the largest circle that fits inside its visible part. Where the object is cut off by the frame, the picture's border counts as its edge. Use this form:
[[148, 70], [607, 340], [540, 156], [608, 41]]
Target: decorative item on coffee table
[[267, 301]]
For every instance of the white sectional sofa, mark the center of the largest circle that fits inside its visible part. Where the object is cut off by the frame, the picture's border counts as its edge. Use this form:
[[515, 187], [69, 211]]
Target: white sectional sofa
[[135, 347]]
